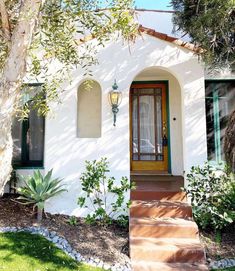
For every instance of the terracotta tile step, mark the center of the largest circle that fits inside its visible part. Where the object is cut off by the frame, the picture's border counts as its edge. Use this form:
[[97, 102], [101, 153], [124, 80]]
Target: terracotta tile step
[[160, 185], [151, 178], [158, 195], [156, 208], [163, 228], [153, 266], [170, 250]]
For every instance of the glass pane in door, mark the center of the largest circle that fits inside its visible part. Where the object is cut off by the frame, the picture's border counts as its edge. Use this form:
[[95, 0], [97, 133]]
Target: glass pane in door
[[135, 148], [147, 124], [147, 127]]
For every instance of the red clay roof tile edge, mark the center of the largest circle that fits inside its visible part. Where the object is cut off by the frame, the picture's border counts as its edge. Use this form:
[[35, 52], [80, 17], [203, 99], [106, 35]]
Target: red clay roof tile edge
[[171, 39]]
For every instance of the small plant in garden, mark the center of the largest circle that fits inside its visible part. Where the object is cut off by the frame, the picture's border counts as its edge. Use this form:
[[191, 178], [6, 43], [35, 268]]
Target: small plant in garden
[[73, 221], [38, 189], [103, 197], [212, 193]]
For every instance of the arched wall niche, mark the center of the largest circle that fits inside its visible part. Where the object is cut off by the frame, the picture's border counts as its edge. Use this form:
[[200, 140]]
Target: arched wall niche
[[89, 110]]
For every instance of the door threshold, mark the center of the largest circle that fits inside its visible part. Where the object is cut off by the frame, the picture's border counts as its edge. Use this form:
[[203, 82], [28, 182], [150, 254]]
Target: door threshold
[[150, 173]]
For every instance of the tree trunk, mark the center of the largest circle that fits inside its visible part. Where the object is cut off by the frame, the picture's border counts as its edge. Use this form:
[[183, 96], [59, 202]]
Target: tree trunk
[[5, 152], [229, 143], [11, 80]]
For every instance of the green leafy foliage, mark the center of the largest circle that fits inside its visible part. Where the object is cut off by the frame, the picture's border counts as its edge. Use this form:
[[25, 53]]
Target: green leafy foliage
[[73, 221], [103, 197], [61, 35], [229, 142], [211, 25], [212, 192], [38, 189]]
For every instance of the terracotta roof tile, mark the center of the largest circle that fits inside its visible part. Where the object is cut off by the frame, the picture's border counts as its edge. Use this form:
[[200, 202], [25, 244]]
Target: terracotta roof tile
[[155, 34], [171, 39]]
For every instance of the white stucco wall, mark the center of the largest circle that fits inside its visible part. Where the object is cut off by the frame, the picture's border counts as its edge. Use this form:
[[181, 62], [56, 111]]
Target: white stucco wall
[[66, 153]]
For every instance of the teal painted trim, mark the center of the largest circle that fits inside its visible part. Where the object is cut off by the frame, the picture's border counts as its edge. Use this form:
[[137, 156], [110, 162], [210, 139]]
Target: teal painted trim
[[168, 126], [216, 125], [166, 83], [33, 168], [222, 80], [217, 129]]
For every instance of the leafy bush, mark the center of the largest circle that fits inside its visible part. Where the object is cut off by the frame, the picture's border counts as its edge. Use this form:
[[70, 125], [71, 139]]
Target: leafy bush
[[212, 192], [38, 189], [107, 200], [73, 221]]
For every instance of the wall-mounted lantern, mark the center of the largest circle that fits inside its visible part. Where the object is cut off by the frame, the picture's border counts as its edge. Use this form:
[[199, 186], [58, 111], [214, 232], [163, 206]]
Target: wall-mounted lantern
[[115, 98]]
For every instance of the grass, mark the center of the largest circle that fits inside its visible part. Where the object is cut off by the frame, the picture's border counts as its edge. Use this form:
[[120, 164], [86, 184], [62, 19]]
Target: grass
[[24, 251]]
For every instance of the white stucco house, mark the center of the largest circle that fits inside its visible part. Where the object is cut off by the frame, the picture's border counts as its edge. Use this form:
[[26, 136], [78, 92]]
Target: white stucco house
[[171, 116]]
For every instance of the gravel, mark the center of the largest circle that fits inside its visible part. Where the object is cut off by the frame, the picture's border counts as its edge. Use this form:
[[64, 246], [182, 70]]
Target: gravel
[[64, 245]]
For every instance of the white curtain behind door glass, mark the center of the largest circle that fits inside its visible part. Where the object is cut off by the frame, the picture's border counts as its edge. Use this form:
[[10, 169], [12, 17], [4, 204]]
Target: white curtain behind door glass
[[147, 127], [135, 127], [159, 124]]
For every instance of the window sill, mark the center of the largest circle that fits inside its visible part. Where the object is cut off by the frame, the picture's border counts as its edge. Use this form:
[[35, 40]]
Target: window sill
[[22, 168]]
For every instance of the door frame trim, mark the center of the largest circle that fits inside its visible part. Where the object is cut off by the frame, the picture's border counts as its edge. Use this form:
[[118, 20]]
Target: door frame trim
[[166, 83]]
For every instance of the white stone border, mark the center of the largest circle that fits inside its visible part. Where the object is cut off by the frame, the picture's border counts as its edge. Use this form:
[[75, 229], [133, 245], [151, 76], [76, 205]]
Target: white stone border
[[64, 245], [224, 263]]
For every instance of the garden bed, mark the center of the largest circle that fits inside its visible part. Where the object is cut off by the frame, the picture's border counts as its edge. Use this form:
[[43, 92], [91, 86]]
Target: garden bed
[[21, 251], [108, 244], [220, 247]]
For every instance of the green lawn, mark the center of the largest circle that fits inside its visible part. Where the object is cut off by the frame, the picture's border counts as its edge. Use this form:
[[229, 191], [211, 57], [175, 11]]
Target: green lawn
[[27, 252]]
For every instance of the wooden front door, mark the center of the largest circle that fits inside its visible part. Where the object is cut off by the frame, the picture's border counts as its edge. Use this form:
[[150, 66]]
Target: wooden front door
[[148, 122]]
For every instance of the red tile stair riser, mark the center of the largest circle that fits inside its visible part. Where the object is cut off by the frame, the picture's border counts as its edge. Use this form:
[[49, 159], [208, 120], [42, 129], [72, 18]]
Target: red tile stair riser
[[163, 235], [160, 209]]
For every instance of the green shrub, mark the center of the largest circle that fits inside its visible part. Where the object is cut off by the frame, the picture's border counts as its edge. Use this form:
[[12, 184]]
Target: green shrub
[[103, 198], [72, 221], [212, 192], [38, 189]]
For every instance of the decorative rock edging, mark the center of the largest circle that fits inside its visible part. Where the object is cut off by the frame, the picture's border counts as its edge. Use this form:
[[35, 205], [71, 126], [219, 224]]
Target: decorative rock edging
[[224, 263], [64, 245]]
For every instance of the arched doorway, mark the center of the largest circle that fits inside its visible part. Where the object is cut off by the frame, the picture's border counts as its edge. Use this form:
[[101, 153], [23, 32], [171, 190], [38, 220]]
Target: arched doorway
[[150, 122]]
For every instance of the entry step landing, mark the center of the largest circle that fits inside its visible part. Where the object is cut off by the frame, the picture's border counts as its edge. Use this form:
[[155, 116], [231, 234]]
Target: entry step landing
[[150, 173], [154, 177], [163, 234]]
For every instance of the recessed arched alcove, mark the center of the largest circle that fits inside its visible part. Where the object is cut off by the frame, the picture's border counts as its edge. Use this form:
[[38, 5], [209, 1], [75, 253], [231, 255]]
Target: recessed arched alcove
[[89, 110], [156, 122]]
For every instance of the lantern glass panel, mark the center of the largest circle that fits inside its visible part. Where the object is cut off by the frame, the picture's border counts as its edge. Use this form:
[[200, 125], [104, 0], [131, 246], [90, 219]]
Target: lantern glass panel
[[115, 98]]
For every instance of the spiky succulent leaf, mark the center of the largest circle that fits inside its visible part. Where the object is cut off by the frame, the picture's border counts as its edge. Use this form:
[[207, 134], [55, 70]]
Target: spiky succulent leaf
[[37, 189]]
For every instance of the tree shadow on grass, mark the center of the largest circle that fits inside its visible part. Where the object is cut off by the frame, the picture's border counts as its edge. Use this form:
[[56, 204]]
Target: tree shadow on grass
[[36, 250]]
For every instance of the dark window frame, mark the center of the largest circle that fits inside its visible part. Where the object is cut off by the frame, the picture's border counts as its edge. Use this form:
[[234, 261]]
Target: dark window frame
[[25, 162], [216, 117]]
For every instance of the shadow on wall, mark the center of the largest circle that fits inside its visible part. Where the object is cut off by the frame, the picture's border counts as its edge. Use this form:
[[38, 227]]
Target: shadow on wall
[[66, 153]]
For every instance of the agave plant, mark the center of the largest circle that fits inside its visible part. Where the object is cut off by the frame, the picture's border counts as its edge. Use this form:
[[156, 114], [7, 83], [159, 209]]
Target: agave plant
[[38, 189]]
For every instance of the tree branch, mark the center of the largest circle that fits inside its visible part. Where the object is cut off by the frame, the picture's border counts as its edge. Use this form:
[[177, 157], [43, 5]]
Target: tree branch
[[5, 21]]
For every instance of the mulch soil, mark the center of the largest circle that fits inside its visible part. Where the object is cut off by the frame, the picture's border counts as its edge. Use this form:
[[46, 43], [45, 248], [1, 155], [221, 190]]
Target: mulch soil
[[109, 244], [220, 247]]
